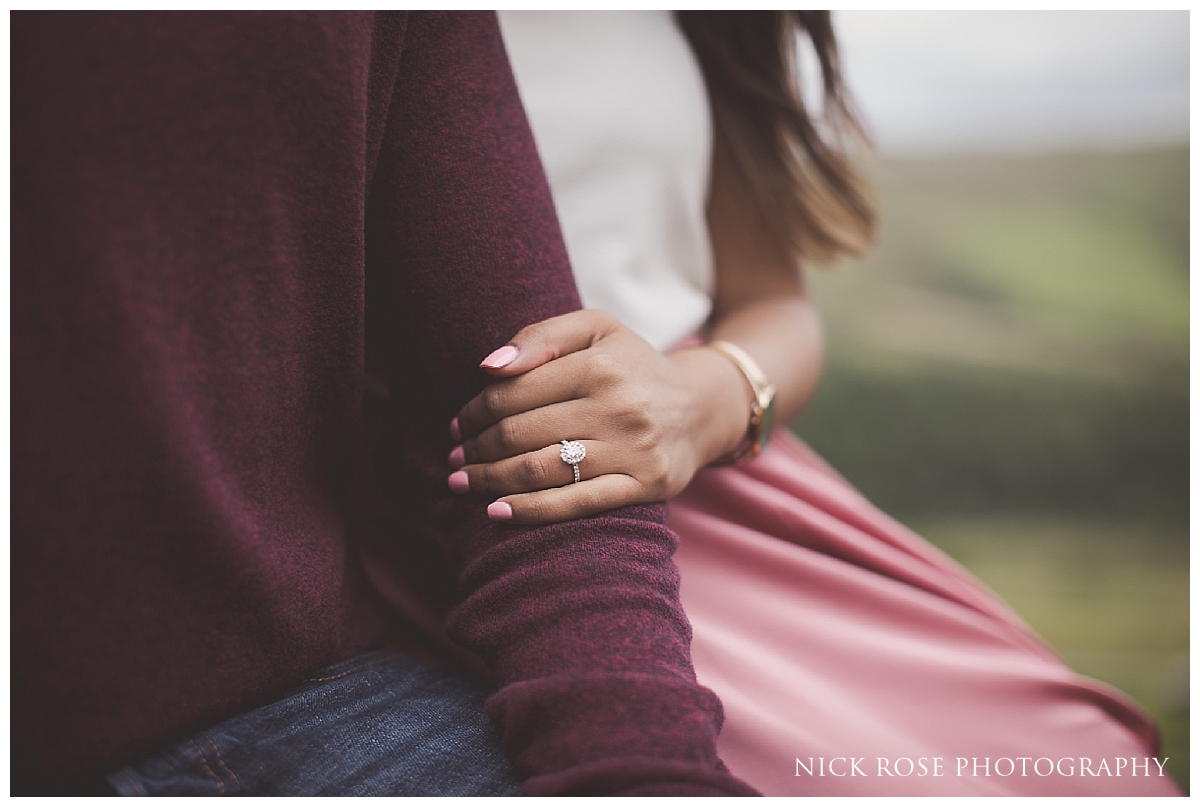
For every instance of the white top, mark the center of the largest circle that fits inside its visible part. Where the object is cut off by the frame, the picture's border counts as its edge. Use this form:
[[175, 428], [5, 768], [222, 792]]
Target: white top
[[620, 114]]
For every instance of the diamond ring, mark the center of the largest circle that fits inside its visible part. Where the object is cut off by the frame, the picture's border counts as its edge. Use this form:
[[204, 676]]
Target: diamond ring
[[572, 453]]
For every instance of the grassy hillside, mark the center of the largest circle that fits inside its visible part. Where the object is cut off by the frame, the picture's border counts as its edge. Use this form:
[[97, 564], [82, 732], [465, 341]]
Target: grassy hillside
[[1008, 373]]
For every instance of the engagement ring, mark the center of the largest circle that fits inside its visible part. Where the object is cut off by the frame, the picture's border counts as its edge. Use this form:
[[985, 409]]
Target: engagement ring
[[572, 453]]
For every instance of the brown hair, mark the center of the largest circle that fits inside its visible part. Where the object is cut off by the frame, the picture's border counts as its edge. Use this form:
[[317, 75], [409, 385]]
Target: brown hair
[[798, 171]]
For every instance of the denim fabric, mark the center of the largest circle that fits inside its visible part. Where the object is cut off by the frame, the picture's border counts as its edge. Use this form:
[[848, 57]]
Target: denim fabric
[[379, 724]]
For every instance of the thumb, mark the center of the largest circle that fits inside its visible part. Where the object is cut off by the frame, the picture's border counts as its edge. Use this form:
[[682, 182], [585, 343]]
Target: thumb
[[548, 340]]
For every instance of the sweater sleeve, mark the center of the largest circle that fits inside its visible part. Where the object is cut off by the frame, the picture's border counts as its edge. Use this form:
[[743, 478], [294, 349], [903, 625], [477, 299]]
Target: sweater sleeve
[[579, 623]]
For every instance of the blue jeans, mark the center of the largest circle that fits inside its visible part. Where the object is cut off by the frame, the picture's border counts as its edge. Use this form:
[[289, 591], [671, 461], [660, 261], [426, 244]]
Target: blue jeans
[[379, 724]]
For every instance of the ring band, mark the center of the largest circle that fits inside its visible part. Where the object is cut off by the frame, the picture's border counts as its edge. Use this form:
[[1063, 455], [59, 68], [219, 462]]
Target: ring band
[[572, 453]]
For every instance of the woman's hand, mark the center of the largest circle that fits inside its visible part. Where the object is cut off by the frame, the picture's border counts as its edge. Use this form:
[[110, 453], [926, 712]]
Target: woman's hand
[[647, 420]]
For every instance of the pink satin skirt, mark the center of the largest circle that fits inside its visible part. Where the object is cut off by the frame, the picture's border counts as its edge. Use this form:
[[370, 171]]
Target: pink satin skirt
[[854, 658]]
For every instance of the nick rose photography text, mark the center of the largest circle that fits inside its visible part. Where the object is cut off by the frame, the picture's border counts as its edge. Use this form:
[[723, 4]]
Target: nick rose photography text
[[981, 766]]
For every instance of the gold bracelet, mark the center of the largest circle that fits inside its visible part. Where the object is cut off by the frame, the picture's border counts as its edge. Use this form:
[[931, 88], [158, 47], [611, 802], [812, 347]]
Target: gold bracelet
[[762, 411]]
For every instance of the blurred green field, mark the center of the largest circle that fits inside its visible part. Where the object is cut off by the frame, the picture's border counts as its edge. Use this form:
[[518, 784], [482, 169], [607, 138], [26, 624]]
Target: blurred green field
[[1008, 374]]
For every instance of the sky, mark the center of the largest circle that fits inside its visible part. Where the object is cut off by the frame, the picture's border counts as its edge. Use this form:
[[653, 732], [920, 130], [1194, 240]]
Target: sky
[[1017, 81]]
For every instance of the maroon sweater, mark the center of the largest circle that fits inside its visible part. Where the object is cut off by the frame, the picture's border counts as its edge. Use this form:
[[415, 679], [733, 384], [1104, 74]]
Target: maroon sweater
[[210, 213]]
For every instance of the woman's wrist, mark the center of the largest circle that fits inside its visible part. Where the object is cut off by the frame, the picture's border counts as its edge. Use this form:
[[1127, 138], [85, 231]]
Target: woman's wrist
[[762, 410], [722, 401]]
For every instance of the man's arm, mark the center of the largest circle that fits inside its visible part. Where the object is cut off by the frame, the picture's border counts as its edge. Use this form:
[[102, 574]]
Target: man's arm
[[580, 623]]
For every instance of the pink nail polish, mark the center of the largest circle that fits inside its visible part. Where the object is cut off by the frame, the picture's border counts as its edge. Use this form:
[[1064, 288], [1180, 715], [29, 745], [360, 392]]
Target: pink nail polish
[[499, 511], [499, 358], [457, 458], [455, 432], [459, 483]]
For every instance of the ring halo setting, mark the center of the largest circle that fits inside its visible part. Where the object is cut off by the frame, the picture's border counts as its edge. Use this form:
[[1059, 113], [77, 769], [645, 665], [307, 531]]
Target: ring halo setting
[[572, 453]]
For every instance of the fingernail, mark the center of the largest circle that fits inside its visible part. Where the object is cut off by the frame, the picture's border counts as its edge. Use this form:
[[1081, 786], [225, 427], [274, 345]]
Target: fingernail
[[457, 458], [499, 358], [499, 511], [455, 432], [459, 483]]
